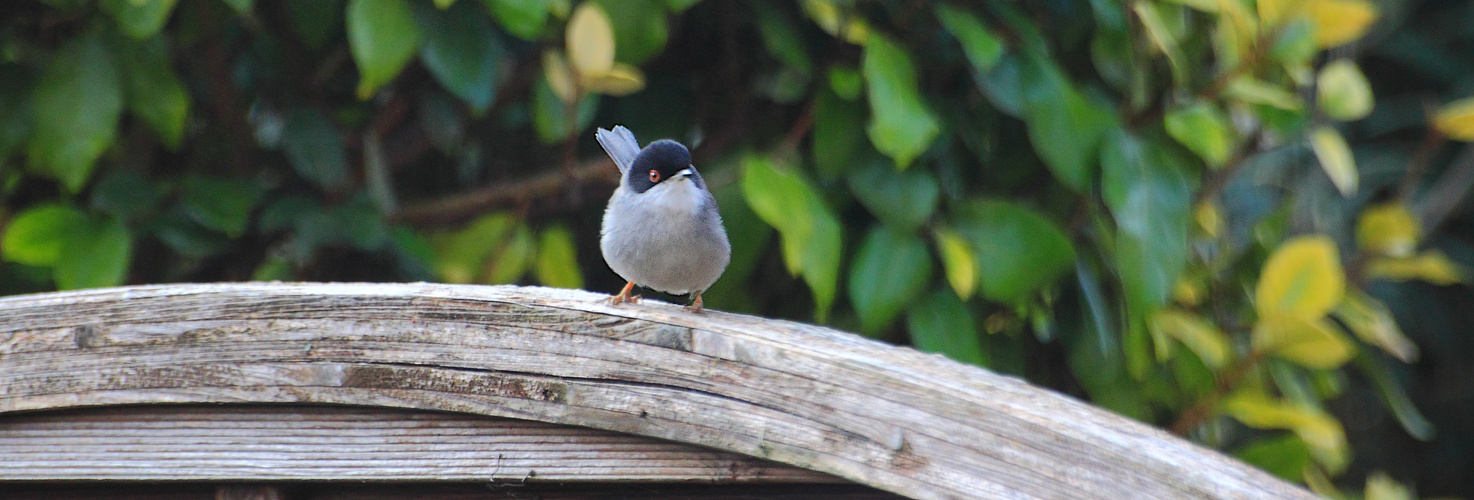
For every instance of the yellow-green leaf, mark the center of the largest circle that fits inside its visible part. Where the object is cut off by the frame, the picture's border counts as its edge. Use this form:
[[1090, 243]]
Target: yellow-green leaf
[[1302, 278], [1312, 343], [1431, 266], [1161, 36], [1338, 22], [959, 260], [1388, 229], [1204, 129], [1343, 91], [1195, 332], [1381, 486], [621, 80], [1335, 157], [844, 25], [559, 76], [1271, 12], [1250, 90], [1456, 120], [1210, 218], [1321, 432], [590, 39], [1372, 322]]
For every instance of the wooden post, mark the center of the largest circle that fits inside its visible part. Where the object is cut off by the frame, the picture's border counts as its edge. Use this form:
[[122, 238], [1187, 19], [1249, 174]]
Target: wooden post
[[890, 417]]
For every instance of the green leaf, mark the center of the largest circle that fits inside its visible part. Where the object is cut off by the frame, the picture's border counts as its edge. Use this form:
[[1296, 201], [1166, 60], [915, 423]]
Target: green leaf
[[510, 262], [241, 7], [809, 229], [1343, 91], [557, 259], [1150, 198], [462, 52], [78, 101], [846, 82], [551, 116], [140, 19], [187, 237], [1294, 44], [941, 323], [836, 138], [1284, 455], [125, 195], [154, 92], [462, 254], [359, 223], [1313, 343], [903, 200], [316, 22], [1394, 396], [1203, 129], [1064, 127], [382, 37], [640, 29], [37, 236], [901, 126], [314, 149], [1019, 250], [525, 19], [1335, 158], [220, 204], [95, 257], [889, 270], [782, 38], [680, 5], [980, 45], [17, 108]]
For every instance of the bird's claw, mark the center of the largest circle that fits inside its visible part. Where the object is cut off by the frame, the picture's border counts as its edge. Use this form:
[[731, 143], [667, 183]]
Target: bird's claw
[[624, 296], [695, 307]]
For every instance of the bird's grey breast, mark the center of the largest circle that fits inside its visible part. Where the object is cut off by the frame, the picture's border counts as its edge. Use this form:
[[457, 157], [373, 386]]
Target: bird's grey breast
[[672, 241]]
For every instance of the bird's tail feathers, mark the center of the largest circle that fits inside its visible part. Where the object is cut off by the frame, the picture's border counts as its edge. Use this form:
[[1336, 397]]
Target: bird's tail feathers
[[620, 144]]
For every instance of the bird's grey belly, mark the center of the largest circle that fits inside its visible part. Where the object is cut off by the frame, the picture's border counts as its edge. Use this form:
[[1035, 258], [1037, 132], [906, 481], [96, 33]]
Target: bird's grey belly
[[675, 255]]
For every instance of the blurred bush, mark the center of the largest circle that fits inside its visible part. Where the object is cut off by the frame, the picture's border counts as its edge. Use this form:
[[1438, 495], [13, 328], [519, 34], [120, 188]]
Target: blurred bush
[[1238, 220]]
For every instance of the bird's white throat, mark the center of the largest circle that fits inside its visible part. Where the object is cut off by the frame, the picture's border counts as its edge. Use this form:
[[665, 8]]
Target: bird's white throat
[[679, 194]]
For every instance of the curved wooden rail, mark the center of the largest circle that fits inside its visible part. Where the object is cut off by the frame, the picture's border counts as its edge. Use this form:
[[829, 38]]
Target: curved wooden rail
[[890, 417]]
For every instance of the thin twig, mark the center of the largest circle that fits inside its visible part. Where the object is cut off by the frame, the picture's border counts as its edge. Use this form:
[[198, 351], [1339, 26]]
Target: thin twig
[[599, 171]]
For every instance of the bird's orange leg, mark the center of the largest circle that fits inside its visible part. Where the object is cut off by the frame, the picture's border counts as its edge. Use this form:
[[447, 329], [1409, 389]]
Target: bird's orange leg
[[695, 307], [624, 295]]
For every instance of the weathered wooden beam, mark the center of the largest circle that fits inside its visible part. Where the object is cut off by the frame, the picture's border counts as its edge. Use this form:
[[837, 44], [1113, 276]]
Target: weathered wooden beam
[[262, 443], [890, 417]]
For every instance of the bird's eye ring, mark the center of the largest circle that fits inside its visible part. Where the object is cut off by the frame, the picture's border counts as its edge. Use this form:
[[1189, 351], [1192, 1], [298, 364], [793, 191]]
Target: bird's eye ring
[[654, 176]]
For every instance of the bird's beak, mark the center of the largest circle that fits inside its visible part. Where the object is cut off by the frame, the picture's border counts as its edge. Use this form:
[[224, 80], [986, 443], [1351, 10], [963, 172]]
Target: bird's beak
[[686, 173]]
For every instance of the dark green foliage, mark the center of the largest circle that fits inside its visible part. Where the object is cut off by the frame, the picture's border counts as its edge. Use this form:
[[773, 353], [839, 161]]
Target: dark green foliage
[[1087, 194]]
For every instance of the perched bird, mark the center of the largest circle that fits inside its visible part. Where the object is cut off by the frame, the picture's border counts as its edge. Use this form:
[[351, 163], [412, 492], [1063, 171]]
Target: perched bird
[[661, 229]]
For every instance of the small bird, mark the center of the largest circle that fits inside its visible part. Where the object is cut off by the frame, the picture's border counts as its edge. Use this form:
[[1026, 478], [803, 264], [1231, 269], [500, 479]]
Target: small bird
[[661, 229]]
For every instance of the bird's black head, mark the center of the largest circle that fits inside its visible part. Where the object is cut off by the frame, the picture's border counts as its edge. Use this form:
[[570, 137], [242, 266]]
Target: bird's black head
[[659, 161]]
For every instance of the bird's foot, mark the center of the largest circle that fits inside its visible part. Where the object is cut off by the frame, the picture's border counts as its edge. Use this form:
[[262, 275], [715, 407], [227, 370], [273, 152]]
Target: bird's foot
[[624, 296], [695, 307]]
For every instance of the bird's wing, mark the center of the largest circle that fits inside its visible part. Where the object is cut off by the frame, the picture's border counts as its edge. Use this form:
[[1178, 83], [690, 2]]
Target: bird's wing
[[620, 144]]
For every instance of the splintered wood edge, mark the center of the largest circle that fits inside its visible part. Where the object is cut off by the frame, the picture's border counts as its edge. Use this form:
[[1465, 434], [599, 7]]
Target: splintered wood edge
[[890, 417]]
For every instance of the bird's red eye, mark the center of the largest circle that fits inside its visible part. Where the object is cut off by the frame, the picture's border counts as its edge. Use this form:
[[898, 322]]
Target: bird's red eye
[[654, 176]]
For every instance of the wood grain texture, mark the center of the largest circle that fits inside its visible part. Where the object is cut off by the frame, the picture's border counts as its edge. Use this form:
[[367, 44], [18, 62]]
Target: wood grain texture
[[890, 417], [248, 443]]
